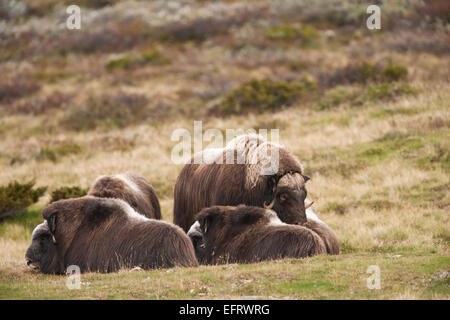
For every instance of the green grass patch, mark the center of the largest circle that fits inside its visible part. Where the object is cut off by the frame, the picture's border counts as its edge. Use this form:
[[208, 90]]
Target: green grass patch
[[306, 35], [120, 63], [324, 277], [386, 91], [20, 227], [427, 151], [132, 62]]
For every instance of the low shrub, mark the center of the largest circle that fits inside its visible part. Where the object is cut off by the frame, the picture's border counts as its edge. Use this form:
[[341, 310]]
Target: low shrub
[[40, 106], [364, 72], [68, 193], [18, 87], [264, 95], [336, 96], [155, 58], [387, 91], [121, 63], [16, 197], [110, 111], [358, 96], [203, 28], [394, 72]]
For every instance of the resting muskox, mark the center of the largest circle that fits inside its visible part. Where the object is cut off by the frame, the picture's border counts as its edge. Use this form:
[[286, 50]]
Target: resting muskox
[[131, 188], [322, 229], [242, 234], [105, 235], [209, 179]]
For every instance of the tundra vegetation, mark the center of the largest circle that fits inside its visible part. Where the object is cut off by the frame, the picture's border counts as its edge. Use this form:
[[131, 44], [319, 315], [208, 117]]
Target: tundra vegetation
[[365, 111]]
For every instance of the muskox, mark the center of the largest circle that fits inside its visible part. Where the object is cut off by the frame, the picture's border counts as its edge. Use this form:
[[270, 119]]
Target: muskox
[[105, 235], [132, 188], [322, 229], [243, 234], [209, 179]]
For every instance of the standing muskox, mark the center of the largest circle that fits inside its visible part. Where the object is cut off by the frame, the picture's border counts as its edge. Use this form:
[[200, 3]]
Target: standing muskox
[[105, 235], [131, 188], [210, 180], [225, 234]]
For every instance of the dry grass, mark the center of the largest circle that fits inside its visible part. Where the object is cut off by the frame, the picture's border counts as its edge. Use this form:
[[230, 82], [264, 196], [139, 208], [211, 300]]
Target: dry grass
[[380, 168]]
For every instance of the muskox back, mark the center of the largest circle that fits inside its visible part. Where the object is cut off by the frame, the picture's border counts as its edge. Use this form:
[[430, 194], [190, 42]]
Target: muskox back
[[208, 180], [225, 234], [133, 189], [105, 235], [323, 230]]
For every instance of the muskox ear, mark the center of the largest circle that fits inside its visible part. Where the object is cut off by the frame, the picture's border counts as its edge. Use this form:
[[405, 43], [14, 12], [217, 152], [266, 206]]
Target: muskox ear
[[205, 218], [269, 192], [51, 222], [205, 222]]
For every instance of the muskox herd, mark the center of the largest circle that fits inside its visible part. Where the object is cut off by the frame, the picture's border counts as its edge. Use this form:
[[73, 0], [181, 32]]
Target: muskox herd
[[223, 213]]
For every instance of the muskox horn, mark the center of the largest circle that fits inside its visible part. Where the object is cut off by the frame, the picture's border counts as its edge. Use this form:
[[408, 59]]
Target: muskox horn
[[53, 239], [309, 205], [270, 206]]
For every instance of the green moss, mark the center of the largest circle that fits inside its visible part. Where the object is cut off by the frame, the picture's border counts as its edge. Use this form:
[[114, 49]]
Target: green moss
[[282, 32], [16, 197], [264, 95], [68, 193], [155, 57], [121, 63], [306, 34]]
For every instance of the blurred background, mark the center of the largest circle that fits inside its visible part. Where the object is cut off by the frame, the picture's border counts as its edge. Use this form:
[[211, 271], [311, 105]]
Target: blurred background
[[366, 111]]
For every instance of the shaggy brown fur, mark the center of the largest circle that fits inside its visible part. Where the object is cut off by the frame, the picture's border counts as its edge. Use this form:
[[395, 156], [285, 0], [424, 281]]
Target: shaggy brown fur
[[104, 235], [203, 185], [224, 234], [328, 236], [133, 189]]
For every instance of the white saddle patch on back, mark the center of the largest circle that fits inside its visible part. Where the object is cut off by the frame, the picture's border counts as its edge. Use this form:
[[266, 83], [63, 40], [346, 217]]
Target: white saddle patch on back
[[128, 182]]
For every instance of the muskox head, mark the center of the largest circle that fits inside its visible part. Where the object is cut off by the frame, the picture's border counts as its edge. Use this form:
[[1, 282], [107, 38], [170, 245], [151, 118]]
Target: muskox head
[[274, 178], [217, 225], [42, 254], [286, 196], [46, 244]]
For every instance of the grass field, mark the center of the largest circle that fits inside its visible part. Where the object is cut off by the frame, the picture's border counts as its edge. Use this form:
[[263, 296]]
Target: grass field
[[369, 120]]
